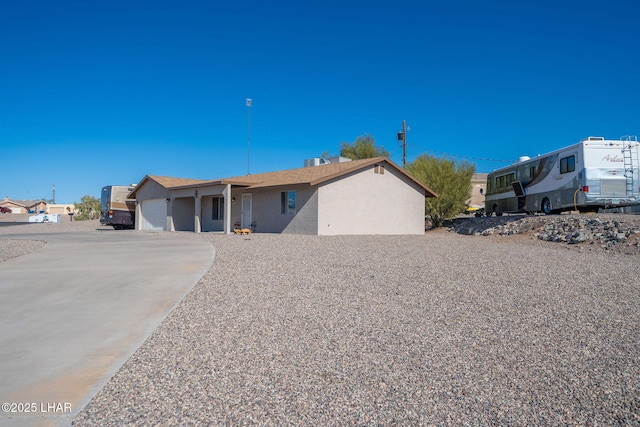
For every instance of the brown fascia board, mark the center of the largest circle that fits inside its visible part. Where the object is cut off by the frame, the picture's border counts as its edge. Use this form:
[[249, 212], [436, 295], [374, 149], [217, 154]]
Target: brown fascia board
[[195, 184], [225, 181], [280, 185], [183, 183], [236, 183]]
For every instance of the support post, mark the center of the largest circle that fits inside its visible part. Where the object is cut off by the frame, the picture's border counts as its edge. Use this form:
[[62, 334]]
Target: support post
[[402, 137]]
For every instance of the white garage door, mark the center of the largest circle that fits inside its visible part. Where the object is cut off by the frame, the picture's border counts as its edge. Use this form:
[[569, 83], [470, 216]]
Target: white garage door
[[154, 214]]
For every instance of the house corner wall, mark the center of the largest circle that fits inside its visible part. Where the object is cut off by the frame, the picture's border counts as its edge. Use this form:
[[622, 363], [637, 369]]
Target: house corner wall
[[367, 202]]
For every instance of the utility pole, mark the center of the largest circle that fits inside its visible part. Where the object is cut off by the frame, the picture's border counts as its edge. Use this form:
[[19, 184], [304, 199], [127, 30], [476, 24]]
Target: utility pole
[[402, 136], [249, 135], [54, 194]]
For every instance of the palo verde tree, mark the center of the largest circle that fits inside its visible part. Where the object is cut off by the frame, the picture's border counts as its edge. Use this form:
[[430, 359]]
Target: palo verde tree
[[450, 179], [88, 208], [364, 147]]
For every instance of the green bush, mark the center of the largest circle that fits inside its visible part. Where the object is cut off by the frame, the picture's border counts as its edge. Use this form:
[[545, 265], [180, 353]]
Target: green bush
[[450, 179]]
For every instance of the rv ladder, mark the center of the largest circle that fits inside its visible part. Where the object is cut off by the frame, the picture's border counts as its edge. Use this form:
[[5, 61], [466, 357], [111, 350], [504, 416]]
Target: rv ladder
[[631, 167]]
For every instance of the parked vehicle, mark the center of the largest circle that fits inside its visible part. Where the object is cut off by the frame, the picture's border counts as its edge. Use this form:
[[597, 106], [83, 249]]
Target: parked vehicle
[[116, 209], [477, 211], [593, 174]]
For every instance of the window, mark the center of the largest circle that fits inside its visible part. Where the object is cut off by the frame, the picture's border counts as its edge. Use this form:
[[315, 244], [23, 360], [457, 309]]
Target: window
[[510, 178], [532, 171], [379, 169], [217, 213], [568, 164], [503, 182], [288, 202]]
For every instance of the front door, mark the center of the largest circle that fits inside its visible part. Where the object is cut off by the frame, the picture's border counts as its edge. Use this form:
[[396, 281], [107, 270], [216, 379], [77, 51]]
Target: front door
[[246, 211]]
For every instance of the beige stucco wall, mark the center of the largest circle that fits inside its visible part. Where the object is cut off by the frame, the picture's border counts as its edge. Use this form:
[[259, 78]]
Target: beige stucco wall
[[478, 189], [62, 209], [306, 219], [208, 224], [183, 213], [151, 190], [370, 203], [266, 212]]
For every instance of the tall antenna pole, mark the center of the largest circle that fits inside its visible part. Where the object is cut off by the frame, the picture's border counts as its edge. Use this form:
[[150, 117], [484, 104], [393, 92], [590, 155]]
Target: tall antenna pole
[[54, 194], [249, 136]]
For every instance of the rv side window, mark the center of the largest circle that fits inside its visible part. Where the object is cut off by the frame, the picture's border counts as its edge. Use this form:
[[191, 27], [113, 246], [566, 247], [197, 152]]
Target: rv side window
[[568, 164], [504, 182], [510, 178], [532, 171]]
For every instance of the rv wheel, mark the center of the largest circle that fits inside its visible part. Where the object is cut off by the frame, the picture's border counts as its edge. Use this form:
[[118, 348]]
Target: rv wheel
[[546, 206]]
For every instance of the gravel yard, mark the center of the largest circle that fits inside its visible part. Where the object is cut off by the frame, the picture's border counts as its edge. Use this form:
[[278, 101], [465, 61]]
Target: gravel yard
[[439, 329]]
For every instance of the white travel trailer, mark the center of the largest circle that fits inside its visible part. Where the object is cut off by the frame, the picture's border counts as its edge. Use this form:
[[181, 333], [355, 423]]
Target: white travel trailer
[[593, 174]]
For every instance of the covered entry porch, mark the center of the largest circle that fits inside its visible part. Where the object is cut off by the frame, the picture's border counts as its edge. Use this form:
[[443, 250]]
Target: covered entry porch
[[206, 208]]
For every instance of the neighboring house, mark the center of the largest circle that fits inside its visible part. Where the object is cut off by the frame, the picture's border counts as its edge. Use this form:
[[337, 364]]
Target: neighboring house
[[24, 206], [62, 209], [478, 190], [370, 196]]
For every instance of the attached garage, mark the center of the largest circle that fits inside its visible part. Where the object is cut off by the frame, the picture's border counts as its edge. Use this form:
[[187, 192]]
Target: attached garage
[[153, 215]]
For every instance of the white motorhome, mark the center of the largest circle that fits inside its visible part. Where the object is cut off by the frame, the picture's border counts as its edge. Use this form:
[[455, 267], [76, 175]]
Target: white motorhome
[[593, 174]]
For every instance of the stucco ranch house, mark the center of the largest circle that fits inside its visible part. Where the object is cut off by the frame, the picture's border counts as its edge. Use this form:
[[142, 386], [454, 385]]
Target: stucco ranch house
[[24, 206], [369, 196]]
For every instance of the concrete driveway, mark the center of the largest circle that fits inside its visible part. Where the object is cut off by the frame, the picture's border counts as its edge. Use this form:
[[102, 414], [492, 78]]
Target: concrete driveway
[[74, 311]]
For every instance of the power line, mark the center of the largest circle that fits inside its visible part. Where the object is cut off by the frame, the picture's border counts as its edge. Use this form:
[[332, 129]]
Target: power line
[[484, 159]]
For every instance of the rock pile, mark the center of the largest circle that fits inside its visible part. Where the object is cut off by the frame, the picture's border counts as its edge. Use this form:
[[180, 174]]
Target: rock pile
[[607, 230]]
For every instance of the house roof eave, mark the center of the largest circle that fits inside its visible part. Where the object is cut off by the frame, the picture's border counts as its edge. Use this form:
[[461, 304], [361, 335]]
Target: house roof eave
[[299, 176]]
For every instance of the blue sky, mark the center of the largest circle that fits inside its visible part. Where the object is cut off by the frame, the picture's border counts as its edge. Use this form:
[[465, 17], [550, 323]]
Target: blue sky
[[94, 93]]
